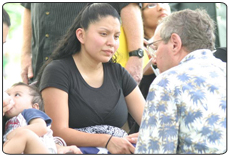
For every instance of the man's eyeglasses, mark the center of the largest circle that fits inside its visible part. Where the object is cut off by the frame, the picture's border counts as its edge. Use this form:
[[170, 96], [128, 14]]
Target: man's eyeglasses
[[152, 48], [152, 5]]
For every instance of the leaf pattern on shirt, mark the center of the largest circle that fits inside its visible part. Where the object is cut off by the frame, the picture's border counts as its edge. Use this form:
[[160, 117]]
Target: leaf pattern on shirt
[[185, 110]]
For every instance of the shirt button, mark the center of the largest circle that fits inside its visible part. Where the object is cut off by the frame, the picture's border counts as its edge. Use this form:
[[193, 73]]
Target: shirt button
[[47, 35], [46, 58], [47, 13]]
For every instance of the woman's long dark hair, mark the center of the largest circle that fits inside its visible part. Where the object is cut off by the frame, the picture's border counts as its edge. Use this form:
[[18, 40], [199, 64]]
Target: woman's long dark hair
[[69, 44]]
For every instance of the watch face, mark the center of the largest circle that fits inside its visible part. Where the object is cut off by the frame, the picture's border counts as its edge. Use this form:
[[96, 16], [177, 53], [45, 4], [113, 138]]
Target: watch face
[[140, 53]]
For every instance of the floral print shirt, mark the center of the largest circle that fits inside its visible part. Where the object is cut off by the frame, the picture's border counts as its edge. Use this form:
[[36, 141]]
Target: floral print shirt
[[185, 111]]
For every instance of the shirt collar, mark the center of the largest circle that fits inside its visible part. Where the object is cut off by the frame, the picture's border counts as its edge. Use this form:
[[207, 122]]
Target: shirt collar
[[201, 53]]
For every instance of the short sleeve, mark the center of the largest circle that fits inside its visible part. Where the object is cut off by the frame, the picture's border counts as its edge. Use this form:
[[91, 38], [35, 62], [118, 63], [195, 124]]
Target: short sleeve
[[119, 6], [30, 114], [127, 82], [55, 75]]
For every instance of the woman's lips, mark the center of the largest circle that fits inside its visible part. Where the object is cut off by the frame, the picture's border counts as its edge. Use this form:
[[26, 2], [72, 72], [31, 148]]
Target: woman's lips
[[108, 52], [163, 15]]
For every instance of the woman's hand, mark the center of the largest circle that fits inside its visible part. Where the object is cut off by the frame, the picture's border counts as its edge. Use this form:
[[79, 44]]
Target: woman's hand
[[120, 146], [132, 138], [68, 150]]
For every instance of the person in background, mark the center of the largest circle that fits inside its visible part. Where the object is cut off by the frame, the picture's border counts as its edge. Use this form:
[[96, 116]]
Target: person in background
[[152, 13], [82, 86], [186, 104], [26, 123], [221, 53], [5, 24], [7, 103], [45, 23], [133, 30]]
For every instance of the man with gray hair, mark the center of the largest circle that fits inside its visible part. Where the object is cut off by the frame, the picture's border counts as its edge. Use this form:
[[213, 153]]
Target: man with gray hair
[[185, 111]]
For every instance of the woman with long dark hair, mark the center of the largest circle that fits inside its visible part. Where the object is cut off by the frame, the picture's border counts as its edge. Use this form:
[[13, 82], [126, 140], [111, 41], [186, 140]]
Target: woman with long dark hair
[[86, 94]]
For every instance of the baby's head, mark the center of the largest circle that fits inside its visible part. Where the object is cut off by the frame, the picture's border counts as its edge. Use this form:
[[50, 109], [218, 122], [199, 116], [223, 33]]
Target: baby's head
[[25, 97]]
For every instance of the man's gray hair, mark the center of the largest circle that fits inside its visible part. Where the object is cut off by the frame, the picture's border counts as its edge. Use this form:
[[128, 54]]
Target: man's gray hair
[[195, 28]]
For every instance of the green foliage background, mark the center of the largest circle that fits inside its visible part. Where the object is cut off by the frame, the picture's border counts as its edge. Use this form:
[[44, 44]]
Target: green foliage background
[[12, 48], [15, 12]]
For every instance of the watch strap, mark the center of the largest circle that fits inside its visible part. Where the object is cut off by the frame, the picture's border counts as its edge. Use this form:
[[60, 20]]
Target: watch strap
[[137, 53]]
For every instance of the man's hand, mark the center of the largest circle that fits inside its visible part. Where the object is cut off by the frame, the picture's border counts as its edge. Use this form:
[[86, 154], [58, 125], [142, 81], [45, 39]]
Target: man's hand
[[132, 138], [134, 67], [26, 68]]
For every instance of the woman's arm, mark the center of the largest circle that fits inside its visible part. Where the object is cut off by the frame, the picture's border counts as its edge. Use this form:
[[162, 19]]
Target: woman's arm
[[56, 107], [135, 103]]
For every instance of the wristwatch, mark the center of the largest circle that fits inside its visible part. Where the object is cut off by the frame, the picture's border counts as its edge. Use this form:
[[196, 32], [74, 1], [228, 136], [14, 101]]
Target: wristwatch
[[139, 53]]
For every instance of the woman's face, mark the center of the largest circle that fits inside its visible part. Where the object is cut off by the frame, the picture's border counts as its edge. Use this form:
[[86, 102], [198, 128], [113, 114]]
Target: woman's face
[[154, 12], [101, 39]]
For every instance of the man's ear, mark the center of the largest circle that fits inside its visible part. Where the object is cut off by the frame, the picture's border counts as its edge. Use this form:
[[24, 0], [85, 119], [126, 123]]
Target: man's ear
[[176, 43], [80, 35], [36, 106]]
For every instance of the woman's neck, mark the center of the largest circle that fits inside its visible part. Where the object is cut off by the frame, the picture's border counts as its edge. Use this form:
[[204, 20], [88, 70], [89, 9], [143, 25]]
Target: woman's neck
[[86, 63], [148, 33], [91, 71]]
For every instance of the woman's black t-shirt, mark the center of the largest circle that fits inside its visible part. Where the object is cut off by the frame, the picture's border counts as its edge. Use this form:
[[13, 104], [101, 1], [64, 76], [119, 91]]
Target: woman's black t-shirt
[[90, 106]]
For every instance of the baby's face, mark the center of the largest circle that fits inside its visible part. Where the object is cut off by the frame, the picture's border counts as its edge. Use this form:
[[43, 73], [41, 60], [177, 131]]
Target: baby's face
[[22, 99]]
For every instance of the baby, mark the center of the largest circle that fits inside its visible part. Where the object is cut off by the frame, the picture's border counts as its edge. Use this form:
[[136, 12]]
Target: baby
[[25, 115]]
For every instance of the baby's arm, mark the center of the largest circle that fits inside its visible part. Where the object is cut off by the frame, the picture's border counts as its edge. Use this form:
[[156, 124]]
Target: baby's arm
[[37, 121], [38, 126]]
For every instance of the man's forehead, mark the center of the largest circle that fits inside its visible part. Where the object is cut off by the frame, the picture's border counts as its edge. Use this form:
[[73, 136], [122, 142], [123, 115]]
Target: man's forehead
[[156, 35]]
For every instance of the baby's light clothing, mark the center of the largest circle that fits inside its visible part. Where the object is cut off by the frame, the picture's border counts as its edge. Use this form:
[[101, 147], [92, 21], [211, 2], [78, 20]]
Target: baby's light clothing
[[24, 119]]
